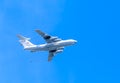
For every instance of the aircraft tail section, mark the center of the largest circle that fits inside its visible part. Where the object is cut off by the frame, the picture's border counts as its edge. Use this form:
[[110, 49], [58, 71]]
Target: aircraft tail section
[[24, 41]]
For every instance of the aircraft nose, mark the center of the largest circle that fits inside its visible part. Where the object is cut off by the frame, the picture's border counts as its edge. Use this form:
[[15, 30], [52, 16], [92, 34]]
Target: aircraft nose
[[75, 41]]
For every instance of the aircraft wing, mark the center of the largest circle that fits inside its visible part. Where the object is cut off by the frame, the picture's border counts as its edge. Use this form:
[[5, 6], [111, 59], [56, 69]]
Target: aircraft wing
[[53, 52], [48, 38], [51, 55]]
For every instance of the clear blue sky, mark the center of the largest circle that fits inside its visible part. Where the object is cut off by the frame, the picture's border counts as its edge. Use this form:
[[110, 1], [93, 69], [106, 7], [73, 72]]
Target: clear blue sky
[[94, 23]]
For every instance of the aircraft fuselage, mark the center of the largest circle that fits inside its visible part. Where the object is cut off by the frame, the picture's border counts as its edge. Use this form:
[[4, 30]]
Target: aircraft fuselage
[[51, 46]]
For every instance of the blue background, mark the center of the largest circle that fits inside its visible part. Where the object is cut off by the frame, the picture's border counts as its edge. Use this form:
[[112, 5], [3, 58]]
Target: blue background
[[95, 24]]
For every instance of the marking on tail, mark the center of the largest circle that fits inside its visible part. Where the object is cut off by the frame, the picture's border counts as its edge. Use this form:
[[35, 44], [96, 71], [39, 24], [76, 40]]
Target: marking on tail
[[24, 41]]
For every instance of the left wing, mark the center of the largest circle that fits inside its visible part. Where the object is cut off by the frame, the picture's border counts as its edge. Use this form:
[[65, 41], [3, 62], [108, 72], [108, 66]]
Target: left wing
[[51, 55], [48, 38], [53, 52]]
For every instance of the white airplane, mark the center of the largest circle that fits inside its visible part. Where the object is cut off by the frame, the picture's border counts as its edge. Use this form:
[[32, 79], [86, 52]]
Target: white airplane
[[54, 45]]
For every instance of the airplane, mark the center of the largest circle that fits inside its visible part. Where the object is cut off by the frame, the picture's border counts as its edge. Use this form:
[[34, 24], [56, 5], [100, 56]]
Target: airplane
[[54, 44]]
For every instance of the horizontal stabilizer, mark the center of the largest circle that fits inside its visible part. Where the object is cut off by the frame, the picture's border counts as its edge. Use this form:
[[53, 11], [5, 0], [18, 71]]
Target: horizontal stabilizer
[[22, 37]]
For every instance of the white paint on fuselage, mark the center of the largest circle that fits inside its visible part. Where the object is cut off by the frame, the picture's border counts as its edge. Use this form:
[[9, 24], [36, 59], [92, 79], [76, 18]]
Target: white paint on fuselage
[[51, 46]]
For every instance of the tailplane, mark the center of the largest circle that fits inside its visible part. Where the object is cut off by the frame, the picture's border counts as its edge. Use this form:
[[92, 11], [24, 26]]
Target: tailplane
[[24, 41]]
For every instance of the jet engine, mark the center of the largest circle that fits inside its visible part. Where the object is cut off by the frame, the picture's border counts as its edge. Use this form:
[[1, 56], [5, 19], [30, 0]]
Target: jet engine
[[55, 39], [60, 48], [59, 51]]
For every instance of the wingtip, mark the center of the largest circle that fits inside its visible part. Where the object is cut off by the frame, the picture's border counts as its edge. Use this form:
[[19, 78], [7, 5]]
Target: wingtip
[[37, 30], [40, 32], [49, 59], [18, 35]]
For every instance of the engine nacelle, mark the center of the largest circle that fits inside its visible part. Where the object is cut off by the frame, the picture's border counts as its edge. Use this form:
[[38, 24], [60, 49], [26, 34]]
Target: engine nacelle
[[53, 38], [60, 48], [59, 51]]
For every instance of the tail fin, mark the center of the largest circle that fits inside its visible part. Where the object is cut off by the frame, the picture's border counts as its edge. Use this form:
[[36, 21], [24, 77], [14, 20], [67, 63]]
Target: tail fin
[[24, 41]]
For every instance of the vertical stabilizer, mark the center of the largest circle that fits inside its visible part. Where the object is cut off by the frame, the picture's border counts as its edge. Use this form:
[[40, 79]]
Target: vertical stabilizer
[[24, 41]]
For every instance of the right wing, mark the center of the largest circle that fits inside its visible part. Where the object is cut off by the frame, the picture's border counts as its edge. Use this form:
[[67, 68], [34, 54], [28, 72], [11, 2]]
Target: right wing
[[48, 38]]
